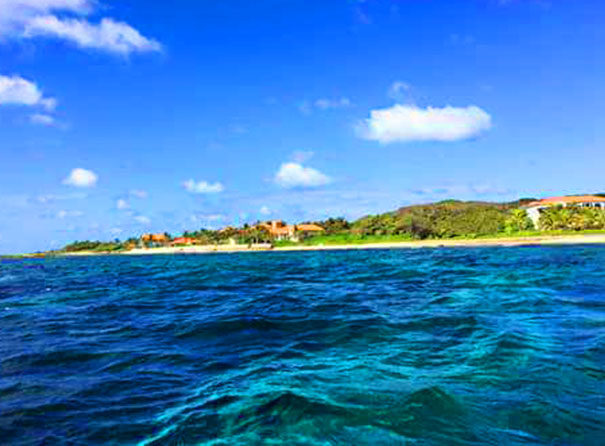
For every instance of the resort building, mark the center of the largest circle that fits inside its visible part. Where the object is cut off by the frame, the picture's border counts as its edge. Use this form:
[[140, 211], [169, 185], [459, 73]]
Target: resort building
[[281, 231], [179, 241], [278, 229], [535, 208], [156, 239], [308, 229]]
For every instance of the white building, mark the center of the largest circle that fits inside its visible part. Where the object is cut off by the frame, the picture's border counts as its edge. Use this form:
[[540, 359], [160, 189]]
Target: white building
[[535, 208]]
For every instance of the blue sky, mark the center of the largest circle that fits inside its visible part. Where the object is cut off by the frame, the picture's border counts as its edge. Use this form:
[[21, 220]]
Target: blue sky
[[119, 118]]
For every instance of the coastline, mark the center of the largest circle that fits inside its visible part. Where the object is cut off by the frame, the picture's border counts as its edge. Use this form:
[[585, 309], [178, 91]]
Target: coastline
[[546, 240]]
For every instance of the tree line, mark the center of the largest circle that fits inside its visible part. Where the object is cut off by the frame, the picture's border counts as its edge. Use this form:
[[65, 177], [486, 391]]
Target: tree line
[[446, 219]]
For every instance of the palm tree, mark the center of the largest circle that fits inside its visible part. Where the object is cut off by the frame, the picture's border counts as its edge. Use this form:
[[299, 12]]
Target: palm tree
[[518, 221]]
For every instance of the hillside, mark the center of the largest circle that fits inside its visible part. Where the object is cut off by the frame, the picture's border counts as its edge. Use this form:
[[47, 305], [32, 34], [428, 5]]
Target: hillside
[[445, 219]]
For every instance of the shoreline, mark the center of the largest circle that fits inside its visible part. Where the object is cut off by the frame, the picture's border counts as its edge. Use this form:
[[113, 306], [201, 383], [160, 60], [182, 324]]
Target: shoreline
[[546, 240]]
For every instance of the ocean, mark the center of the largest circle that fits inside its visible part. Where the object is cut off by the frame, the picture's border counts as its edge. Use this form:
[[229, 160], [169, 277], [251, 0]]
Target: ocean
[[447, 346]]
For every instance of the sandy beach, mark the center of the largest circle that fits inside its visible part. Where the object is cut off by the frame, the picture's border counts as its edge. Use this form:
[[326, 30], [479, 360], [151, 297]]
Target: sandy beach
[[495, 242]]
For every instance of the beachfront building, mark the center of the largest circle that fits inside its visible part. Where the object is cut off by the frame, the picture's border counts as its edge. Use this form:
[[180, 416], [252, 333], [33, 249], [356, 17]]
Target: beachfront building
[[278, 229], [183, 241], [282, 231], [535, 208], [155, 239], [307, 229]]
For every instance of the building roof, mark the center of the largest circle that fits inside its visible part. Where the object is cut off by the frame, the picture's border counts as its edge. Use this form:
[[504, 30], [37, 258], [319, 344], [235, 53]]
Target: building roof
[[575, 199], [309, 227], [282, 230], [154, 237], [183, 240]]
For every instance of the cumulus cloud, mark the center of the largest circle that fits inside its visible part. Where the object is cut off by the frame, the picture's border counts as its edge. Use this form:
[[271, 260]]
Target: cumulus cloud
[[406, 123], [81, 178], [292, 175], [122, 204], [202, 187], [66, 20], [16, 90]]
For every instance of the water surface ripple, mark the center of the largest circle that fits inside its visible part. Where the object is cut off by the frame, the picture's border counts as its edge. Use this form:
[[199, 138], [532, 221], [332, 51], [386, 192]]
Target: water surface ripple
[[382, 347]]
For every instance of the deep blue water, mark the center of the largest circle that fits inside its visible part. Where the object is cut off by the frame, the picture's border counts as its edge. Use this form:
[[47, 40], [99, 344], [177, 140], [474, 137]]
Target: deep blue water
[[385, 347]]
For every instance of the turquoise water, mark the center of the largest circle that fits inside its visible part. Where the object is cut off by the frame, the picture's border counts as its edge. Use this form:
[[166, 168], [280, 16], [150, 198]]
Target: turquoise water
[[384, 347]]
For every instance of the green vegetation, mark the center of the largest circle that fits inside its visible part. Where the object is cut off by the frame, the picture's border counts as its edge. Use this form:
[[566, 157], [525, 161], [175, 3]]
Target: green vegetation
[[443, 220], [448, 219], [572, 218], [95, 246], [345, 238]]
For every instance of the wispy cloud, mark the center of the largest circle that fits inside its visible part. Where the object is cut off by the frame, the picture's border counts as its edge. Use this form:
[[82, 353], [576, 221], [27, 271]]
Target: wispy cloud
[[108, 35], [295, 175], [138, 193], [66, 20], [49, 198], [462, 191], [209, 221], [79, 177], [325, 103], [399, 91], [122, 204], [407, 123], [307, 107], [202, 187], [142, 219], [63, 214], [42, 119], [301, 156]]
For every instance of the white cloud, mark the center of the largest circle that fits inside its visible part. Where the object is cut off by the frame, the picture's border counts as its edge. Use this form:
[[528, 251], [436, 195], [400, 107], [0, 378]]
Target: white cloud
[[69, 214], [81, 178], [406, 123], [122, 204], [202, 187], [142, 220], [14, 14], [42, 119], [265, 210], [108, 35], [16, 90], [116, 231], [138, 193], [291, 175], [65, 19]]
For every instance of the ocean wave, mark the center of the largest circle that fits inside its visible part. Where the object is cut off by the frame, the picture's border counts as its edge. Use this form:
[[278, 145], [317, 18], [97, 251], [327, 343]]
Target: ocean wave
[[427, 347]]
